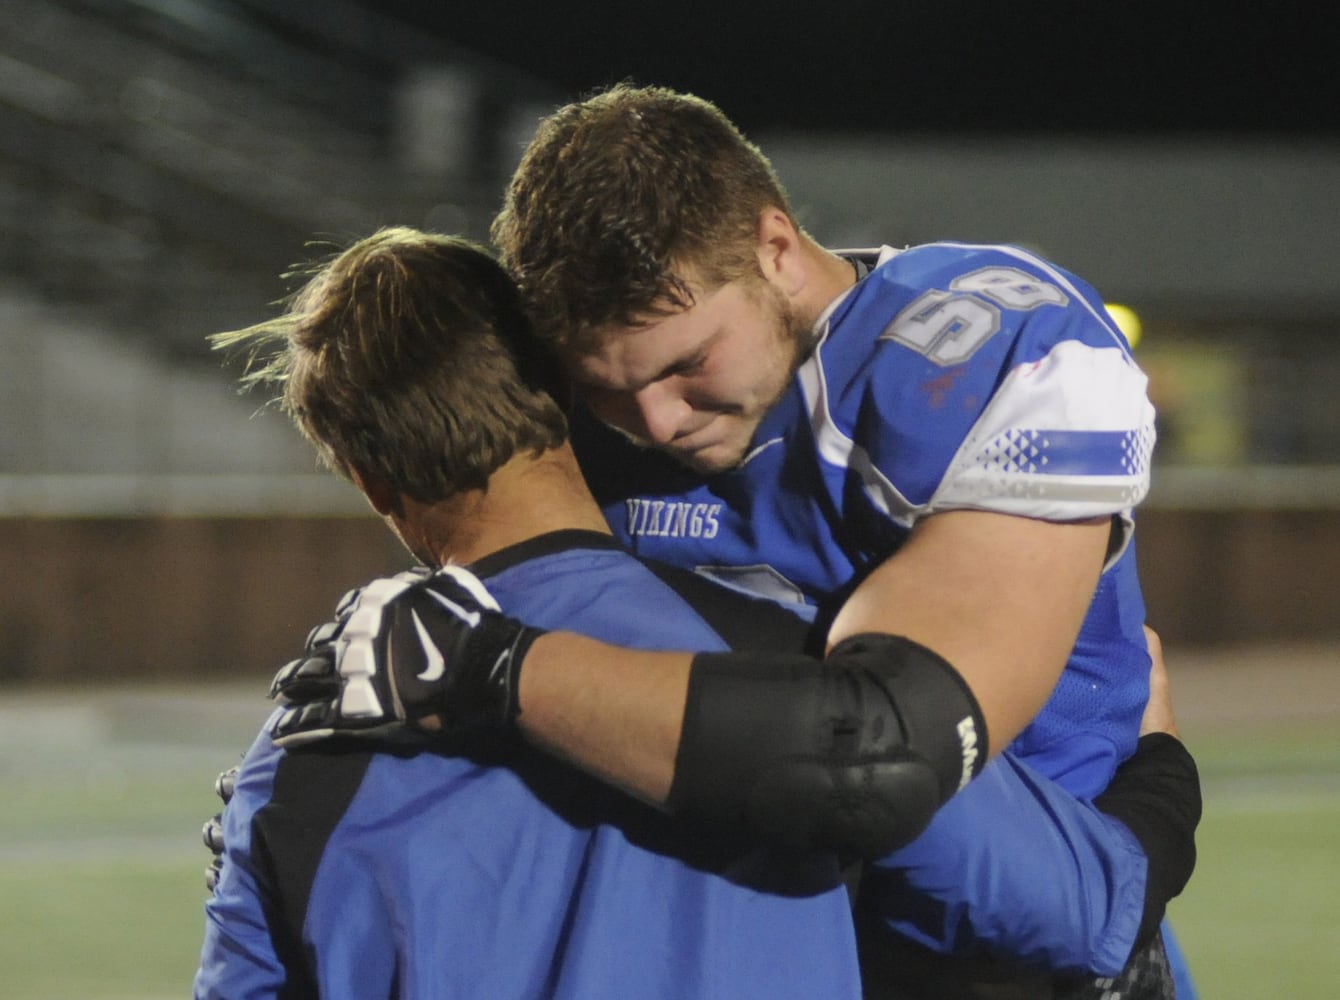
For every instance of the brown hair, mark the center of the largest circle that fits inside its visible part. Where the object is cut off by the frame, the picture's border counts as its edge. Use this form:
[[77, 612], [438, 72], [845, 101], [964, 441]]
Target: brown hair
[[407, 357], [622, 197]]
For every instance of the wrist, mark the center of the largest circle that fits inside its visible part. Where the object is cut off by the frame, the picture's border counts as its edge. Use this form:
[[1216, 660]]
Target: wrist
[[488, 689]]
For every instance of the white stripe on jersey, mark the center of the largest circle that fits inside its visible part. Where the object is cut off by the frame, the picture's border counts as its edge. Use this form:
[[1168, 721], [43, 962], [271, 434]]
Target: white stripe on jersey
[[1093, 400]]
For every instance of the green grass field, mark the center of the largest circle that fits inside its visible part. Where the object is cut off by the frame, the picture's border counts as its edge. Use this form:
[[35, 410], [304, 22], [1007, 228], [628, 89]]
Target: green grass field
[[101, 864], [1261, 918]]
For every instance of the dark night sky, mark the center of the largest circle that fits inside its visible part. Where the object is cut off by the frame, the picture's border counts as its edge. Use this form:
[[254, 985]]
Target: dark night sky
[[1046, 66]]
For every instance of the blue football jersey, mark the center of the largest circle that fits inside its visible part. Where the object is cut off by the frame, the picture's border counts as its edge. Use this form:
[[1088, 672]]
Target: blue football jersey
[[505, 873], [496, 871], [950, 377]]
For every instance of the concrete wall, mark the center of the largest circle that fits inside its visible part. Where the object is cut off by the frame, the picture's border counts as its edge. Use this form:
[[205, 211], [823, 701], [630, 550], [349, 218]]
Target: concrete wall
[[1198, 229], [174, 598], [106, 599], [1225, 576]]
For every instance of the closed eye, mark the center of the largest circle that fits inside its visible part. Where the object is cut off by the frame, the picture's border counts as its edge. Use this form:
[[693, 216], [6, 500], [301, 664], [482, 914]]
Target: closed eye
[[692, 366]]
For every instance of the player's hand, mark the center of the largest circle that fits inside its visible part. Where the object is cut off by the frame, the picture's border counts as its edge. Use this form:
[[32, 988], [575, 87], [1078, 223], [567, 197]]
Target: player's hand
[[1158, 716], [418, 650], [312, 678], [213, 829]]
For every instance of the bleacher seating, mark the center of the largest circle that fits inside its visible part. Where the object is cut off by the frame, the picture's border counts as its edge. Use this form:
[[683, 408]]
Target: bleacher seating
[[163, 162]]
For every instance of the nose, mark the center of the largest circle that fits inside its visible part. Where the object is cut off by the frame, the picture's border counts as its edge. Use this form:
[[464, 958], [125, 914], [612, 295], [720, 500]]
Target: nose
[[653, 414], [661, 410]]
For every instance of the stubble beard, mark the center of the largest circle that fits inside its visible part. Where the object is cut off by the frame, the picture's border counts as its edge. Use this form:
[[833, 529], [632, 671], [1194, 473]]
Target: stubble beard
[[794, 336]]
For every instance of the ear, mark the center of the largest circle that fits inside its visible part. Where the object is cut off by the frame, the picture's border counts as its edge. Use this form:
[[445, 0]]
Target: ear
[[385, 501], [780, 255]]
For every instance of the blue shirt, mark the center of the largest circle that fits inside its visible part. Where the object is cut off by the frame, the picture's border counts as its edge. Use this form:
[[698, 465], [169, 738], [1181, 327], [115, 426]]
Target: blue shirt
[[500, 872]]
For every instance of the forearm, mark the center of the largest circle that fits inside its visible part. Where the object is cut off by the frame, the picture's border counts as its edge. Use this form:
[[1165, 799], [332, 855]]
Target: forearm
[[614, 712], [1156, 794], [852, 754], [1016, 868]]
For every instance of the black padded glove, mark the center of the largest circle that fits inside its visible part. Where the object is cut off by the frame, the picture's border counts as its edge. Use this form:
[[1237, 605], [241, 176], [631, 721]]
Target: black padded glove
[[402, 650], [312, 677]]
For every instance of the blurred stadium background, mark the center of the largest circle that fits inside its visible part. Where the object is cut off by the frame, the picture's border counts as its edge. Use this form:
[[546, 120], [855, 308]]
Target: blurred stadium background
[[164, 546]]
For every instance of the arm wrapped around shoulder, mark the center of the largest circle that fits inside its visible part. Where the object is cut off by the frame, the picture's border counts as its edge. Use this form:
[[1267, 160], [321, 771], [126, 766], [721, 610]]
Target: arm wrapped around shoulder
[[853, 753], [1156, 793]]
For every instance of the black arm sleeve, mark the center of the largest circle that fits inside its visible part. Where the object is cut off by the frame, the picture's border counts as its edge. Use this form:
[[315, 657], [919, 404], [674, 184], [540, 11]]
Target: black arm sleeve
[[1156, 794], [853, 753]]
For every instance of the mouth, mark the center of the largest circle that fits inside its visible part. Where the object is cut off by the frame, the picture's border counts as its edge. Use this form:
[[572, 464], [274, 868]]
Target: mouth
[[682, 448], [706, 453], [697, 448], [693, 441]]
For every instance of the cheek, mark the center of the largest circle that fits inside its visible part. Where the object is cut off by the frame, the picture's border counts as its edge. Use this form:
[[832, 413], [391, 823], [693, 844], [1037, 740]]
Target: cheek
[[749, 382], [717, 390], [614, 408]]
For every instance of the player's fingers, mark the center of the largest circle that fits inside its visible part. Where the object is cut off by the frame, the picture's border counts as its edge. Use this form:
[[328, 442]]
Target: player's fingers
[[212, 834], [1158, 715], [283, 677], [1154, 643], [323, 635], [303, 723], [347, 602], [225, 783], [306, 679], [301, 738]]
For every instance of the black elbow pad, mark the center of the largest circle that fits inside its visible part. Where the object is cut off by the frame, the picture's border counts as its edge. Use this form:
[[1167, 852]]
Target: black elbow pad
[[853, 754], [939, 718], [861, 808]]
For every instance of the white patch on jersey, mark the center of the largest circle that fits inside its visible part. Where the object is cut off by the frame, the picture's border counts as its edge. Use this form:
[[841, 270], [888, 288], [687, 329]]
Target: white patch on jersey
[[838, 449], [1003, 463], [1075, 388], [759, 580]]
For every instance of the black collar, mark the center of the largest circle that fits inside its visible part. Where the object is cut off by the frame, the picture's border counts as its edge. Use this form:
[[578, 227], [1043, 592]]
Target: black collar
[[541, 545]]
